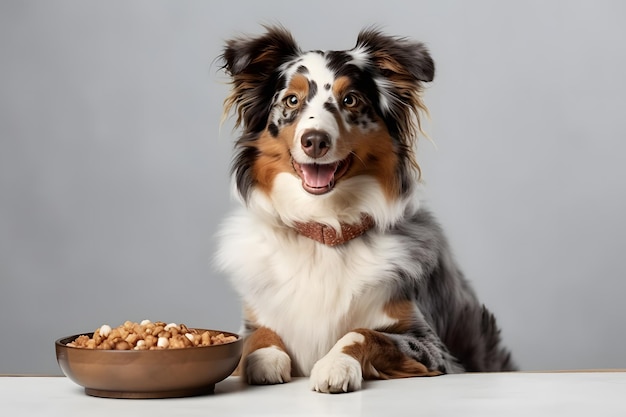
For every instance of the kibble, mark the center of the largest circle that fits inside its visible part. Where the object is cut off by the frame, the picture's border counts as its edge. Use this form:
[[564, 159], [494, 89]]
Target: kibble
[[147, 335]]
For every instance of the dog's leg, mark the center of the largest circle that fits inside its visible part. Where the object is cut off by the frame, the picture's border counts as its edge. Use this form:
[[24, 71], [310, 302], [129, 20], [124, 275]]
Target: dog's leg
[[264, 359], [369, 354]]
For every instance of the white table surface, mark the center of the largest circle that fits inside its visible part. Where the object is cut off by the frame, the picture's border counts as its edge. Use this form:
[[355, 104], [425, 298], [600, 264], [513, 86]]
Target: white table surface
[[499, 394]]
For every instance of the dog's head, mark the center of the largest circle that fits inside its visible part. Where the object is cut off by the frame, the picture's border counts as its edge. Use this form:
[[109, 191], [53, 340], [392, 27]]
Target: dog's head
[[326, 131]]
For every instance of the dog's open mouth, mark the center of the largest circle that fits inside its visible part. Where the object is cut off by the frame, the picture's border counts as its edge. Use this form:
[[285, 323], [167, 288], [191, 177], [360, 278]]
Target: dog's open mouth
[[321, 178]]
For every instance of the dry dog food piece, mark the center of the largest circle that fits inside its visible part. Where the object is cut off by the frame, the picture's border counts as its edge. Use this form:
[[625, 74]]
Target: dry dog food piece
[[148, 336]]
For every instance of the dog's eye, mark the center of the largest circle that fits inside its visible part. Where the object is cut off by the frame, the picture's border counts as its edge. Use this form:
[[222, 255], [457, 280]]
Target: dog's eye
[[291, 101], [350, 100]]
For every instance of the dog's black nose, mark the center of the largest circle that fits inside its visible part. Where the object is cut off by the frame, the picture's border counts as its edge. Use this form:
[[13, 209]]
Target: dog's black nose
[[315, 143]]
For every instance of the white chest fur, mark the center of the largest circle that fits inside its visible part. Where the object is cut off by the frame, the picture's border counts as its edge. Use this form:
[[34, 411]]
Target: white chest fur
[[310, 294]]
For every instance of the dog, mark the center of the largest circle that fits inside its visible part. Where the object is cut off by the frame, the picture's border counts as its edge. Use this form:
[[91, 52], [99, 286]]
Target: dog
[[343, 275]]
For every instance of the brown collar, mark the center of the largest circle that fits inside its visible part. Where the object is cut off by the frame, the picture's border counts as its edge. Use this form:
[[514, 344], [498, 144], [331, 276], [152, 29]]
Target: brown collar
[[327, 235]]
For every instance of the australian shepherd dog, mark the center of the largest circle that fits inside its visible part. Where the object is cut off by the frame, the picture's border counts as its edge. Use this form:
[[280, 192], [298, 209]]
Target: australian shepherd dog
[[343, 275]]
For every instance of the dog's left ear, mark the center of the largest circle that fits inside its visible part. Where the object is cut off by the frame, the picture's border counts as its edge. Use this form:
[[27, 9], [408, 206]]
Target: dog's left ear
[[398, 59], [399, 67]]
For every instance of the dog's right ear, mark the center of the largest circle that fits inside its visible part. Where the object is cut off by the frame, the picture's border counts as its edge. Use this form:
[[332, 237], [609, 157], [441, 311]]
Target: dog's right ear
[[253, 64]]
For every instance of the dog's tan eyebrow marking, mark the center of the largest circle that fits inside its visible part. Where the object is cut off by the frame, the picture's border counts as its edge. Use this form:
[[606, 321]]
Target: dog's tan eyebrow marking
[[298, 85], [311, 89], [341, 85]]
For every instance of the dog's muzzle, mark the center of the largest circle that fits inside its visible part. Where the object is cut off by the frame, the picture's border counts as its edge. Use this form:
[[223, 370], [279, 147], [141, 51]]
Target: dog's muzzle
[[319, 178]]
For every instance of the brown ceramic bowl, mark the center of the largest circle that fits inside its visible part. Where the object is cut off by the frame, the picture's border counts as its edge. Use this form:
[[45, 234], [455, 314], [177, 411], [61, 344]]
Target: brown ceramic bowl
[[159, 373]]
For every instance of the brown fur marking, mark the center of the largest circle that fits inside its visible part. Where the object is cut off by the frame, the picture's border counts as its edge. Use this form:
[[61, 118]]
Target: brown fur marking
[[404, 312], [274, 158], [261, 338], [380, 358], [299, 86]]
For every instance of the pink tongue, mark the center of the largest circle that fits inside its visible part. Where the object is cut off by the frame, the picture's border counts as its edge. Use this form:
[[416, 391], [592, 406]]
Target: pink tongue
[[318, 176]]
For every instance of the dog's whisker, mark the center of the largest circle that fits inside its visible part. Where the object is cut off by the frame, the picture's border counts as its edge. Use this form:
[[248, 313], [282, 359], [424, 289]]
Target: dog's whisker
[[354, 154]]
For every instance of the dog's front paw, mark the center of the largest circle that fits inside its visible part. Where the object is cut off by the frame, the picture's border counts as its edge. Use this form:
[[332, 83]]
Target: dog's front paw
[[268, 365], [336, 372]]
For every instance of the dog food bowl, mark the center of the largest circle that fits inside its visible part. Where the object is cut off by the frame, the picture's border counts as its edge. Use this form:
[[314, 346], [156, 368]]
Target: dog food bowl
[[162, 373]]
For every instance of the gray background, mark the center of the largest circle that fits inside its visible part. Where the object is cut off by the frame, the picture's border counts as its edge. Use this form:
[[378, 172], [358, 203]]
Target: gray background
[[114, 167]]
